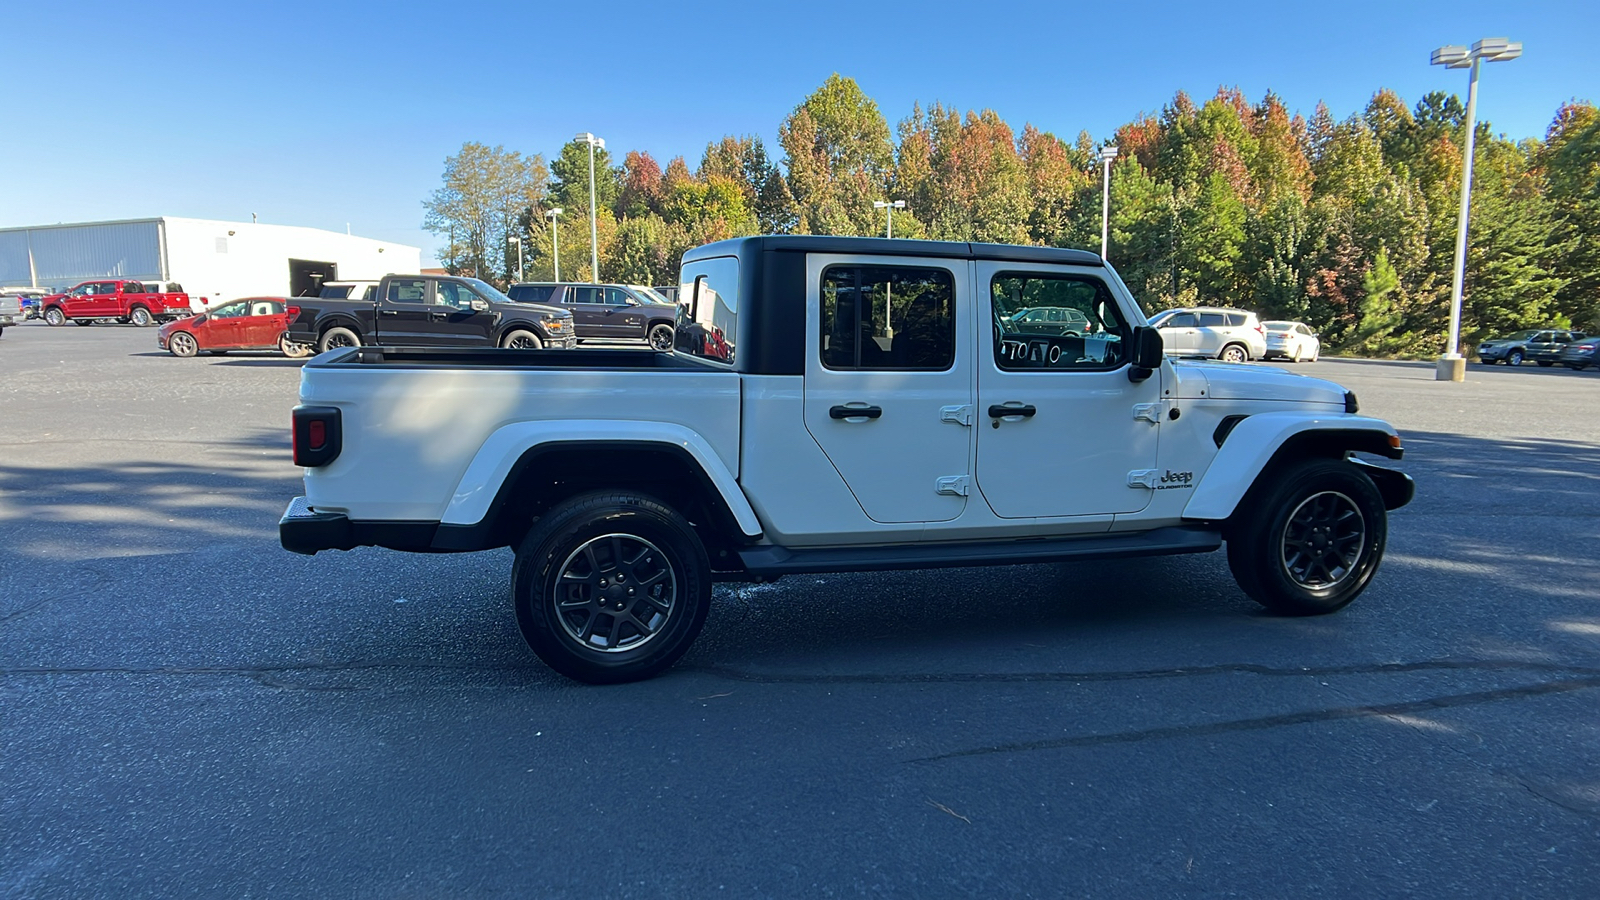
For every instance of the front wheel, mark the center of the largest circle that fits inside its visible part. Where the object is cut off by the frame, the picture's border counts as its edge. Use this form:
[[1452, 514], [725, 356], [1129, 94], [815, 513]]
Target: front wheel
[[661, 336], [182, 343], [1514, 358], [293, 350], [334, 338], [1235, 354], [522, 339], [1311, 541], [611, 587], [54, 316]]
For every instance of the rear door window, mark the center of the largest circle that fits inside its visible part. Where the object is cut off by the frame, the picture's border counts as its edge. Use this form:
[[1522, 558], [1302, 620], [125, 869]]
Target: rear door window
[[408, 290], [888, 317], [584, 295], [1213, 320]]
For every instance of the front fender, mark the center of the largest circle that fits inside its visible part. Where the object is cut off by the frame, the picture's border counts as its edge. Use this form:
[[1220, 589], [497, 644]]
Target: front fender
[[492, 465], [1254, 443]]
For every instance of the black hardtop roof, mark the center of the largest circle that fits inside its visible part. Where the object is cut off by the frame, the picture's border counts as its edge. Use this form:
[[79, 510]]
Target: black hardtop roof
[[819, 243]]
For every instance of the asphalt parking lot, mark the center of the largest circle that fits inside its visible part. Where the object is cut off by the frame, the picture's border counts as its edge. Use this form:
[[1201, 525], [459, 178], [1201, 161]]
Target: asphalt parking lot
[[186, 710]]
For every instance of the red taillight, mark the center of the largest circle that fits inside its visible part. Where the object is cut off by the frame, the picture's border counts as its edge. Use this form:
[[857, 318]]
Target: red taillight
[[317, 435], [294, 312]]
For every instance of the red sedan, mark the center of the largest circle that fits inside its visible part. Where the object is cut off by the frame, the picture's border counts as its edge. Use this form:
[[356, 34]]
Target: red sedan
[[257, 323]]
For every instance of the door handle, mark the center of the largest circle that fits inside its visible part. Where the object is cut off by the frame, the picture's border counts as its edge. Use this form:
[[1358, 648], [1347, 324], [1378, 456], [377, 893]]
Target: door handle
[[388, 312], [855, 412], [439, 314], [1026, 411]]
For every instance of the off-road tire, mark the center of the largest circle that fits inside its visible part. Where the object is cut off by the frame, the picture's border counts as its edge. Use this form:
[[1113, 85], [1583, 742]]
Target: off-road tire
[[551, 566], [521, 339], [1262, 542], [337, 337], [141, 317]]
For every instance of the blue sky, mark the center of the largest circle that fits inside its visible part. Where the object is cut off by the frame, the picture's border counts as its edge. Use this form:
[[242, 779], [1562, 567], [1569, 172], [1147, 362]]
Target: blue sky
[[330, 113]]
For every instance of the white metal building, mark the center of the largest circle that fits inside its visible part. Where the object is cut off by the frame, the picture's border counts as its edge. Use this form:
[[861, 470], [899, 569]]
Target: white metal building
[[214, 260]]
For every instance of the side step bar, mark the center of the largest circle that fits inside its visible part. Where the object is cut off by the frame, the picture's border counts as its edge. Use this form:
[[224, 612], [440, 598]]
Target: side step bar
[[771, 561]]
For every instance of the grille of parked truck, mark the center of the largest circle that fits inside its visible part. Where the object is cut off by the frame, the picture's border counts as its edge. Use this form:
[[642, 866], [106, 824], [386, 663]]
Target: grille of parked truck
[[838, 405]]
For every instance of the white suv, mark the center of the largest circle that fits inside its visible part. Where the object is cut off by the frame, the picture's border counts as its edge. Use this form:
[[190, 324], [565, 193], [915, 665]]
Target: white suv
[[1232, 335]]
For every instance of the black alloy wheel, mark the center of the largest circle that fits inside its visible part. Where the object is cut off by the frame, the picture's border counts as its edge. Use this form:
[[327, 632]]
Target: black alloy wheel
[[522, 339], [335, 338], [611, 587], [661, 336], [1309, 541]]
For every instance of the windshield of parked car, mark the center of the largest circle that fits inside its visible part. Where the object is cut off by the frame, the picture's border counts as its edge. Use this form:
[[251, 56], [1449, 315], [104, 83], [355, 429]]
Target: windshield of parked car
[[649, 295], [488, 291], [1518, 336]]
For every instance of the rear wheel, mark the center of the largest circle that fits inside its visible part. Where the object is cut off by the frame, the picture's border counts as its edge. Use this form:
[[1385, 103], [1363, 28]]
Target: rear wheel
[[1311, 541], [54, 316], [293, 350], [141, 317], [182, 343], [611, 587], [661, 336], [334, 338], [1234, 353], [522, 339]]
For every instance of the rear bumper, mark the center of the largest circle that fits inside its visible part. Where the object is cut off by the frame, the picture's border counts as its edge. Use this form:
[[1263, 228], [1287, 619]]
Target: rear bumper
[[305, 530]]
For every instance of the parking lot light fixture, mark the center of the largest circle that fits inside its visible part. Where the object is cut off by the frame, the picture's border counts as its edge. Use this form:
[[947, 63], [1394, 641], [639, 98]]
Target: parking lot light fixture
[[1106, 155], [1451, 366], [594, 228], [517, 239], [889, 207], [555, 237]]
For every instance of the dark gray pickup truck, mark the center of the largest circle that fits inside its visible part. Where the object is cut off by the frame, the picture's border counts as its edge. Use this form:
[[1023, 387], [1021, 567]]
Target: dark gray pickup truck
[[431, 311]]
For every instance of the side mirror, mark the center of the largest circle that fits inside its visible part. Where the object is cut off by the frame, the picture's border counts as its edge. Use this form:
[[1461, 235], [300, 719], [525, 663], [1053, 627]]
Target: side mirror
[[1148, 352], [479, 304], [631, 301]]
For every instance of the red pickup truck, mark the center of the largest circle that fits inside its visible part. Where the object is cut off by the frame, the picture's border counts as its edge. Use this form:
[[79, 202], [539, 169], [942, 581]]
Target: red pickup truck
[[115, 299]]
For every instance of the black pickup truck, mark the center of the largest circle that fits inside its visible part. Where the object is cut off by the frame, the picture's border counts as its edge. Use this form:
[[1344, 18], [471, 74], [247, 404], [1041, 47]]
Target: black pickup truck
[[431, 311]]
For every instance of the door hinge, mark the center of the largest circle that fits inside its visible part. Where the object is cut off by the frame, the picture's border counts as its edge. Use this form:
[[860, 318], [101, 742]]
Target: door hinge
[[960, 415], [1150, 412], [1145, 478], [954, 485]]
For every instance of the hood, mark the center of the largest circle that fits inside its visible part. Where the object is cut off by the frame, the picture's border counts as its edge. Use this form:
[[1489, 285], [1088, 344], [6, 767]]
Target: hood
[[543, 309], [1244, 381]]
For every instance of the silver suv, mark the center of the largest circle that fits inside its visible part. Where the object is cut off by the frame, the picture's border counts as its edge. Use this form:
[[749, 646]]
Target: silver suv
[[1232, 335]]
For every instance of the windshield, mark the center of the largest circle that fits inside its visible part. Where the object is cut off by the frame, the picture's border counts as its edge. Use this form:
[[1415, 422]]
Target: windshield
[[1162, 317], [488, 291], [649, 295], [1519, 336], [1278, 326]]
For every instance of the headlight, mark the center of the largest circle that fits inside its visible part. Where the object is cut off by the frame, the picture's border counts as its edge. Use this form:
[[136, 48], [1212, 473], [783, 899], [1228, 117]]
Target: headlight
[[555, 324]]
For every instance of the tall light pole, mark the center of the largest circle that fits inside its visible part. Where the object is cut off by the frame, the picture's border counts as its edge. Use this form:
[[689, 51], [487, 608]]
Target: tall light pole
[[555, 237], [1451, 366], [889, 208], [517, 239], [594, 230], [1107, 154]]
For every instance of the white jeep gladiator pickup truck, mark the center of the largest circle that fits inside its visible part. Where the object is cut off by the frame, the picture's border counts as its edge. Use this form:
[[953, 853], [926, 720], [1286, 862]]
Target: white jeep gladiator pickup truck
[[832, 405]]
